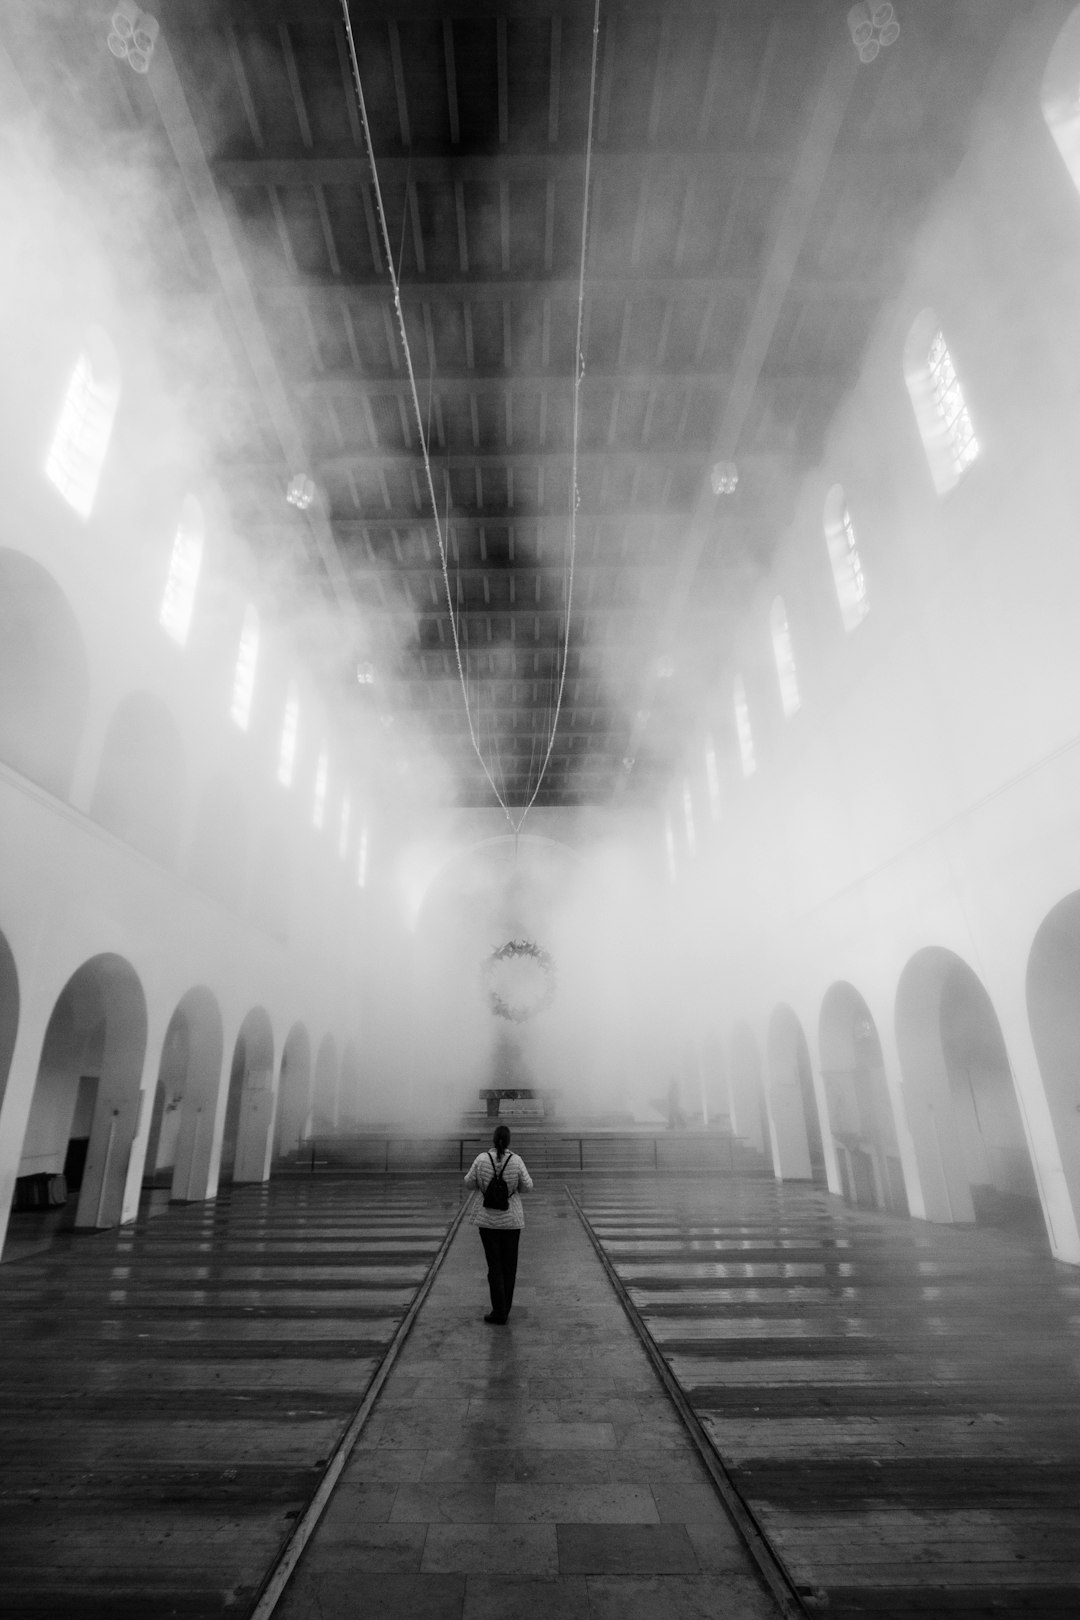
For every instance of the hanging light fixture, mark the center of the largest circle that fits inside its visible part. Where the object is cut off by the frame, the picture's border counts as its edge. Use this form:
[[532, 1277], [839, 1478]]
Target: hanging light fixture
[[301, 491], [872, 27], [133, 35], [724, 477]]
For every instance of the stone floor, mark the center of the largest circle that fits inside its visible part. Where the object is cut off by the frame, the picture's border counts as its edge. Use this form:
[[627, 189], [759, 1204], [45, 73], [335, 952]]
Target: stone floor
[[537, 1468]]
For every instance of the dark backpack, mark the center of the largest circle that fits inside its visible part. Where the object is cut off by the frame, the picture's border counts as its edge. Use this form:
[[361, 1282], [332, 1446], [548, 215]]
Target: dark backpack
[[497, 1193]]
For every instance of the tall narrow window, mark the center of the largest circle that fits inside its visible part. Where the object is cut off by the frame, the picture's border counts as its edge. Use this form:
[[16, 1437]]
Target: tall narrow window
[[290, 725], [712, 779], [669, 849], [318, 803], [688, 820], [182, 580], [743, 729], [247, 657], [783, 653], [942, 414], [345, 825], [847, 568], [362, 858], [81, 442]]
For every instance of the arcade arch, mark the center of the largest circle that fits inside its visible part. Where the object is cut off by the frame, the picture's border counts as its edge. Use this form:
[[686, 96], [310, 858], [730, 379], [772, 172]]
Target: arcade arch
[[327, 1078], [245, 1146], [859, 1107], [797, 1127], [746, 1090], [84, 1112], [189, 1075], [294, 1091], [1053, 1000], [9, 1011], [970, 1145]]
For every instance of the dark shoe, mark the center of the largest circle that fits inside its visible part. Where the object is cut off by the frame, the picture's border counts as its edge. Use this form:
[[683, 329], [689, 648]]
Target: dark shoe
[[496, 1321]]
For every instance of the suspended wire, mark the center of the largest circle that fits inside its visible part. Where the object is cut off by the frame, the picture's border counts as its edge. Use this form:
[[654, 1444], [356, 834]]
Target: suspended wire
[[579, 372]]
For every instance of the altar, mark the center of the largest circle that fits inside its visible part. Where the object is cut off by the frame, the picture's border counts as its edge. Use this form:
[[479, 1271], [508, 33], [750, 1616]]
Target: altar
[[523, 1103]]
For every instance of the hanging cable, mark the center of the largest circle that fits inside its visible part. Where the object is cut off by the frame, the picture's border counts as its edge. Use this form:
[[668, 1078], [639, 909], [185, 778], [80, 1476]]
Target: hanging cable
[[579, 371]]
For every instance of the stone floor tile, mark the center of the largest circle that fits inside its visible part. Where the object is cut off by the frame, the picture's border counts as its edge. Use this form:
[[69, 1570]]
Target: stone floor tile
[[490, 1549], [370, 1467], [451, 1502], [494, 1597], [645, 1434], [559, 1503], [349, 1594], [510, 1463], [568, 1436], [625, 1549], [360, 1502], [372, 1548], [717, 1545], [675, 1597], [690, 1501]]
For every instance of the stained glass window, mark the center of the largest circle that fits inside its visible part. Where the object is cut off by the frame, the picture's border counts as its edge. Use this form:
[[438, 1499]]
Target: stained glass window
[[949, 402], [290, 725], [784, 655], [743, 728]]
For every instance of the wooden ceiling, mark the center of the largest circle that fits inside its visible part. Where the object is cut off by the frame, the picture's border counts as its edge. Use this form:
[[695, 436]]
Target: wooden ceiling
[[753, 189]]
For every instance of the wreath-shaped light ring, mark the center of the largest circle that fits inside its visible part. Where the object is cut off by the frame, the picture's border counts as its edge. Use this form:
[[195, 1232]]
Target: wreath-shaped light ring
[[517, 950]]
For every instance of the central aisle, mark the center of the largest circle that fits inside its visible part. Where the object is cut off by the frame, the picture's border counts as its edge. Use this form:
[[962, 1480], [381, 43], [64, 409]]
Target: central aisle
[[535, 1469]]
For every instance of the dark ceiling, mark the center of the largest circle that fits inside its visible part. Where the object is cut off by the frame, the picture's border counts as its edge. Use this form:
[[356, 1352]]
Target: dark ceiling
[[753, 190]]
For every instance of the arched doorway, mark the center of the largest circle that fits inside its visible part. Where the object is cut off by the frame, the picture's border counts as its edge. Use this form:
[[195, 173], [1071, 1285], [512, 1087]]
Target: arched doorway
[[965, 1119], [189, 1074], [1053, 1000], [325, 1109], [746, 1089], [859, 1106], [794, 1105], [84, 1112], [245, 1145], [294, 1092]]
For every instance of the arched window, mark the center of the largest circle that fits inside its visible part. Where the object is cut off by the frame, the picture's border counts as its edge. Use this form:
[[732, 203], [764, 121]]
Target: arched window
[[1061, 95], [345, 826], [712, 779], [743, 729], [182, 580], [290, 725], [937, 397], [318, 803], [847, 568], [247, 656], [81, 441], [784, 655]]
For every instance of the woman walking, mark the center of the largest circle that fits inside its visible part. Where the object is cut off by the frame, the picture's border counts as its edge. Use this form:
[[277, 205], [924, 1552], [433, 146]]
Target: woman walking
[[500, 1178]]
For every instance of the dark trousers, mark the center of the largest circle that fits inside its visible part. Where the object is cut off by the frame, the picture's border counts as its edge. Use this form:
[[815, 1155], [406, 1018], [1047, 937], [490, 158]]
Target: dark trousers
[[501, 1250]]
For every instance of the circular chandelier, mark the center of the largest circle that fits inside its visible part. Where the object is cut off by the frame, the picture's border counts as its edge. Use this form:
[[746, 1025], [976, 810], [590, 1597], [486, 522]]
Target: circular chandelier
[[519, 979]]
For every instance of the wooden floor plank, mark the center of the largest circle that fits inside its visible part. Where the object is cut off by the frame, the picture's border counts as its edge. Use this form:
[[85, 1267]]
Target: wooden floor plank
[[170, 1392], [897, 1403]]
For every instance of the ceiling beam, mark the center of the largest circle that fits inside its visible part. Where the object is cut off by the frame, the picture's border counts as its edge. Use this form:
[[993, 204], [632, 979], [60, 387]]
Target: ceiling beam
[[482, 288], [911, 160]]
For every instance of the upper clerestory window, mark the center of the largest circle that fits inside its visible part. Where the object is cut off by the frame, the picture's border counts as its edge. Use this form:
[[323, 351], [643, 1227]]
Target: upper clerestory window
[[847, 568], [937, 397], [80, 444]]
